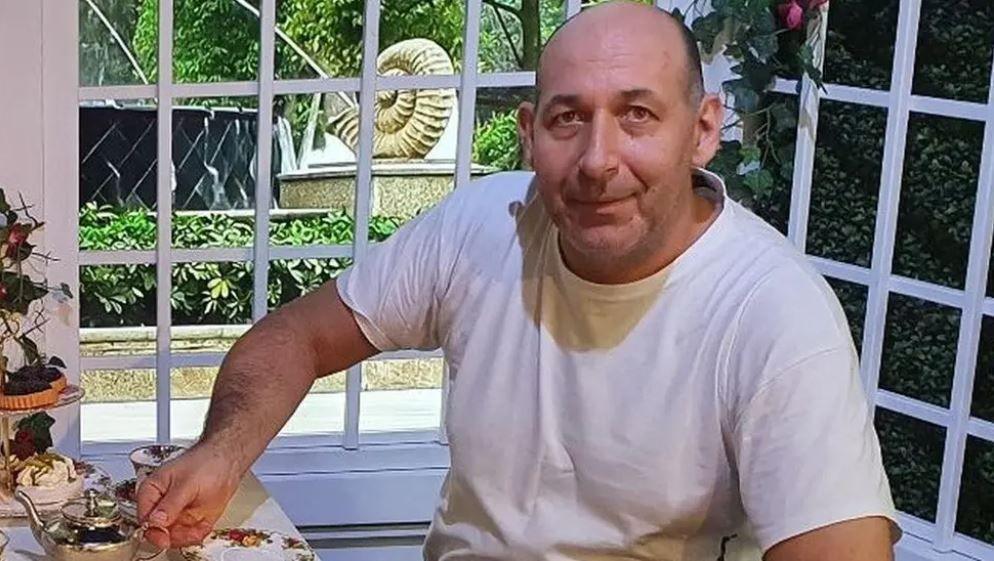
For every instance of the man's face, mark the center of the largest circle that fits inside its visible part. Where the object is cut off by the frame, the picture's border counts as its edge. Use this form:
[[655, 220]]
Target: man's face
[[613, 139]]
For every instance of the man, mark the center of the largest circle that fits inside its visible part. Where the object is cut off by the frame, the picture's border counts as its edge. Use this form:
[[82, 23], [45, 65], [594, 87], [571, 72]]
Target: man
[[640, 367]]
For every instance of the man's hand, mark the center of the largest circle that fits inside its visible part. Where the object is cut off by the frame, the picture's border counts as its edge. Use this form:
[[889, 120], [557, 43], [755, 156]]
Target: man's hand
[[862, 539], [182, 500]]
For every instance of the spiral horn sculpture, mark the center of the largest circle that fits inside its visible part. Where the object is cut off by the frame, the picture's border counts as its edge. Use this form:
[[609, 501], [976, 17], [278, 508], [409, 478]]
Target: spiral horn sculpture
[[408, 123]]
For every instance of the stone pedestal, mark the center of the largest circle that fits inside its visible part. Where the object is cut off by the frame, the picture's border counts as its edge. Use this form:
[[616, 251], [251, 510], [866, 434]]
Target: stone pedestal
[[401, 188]]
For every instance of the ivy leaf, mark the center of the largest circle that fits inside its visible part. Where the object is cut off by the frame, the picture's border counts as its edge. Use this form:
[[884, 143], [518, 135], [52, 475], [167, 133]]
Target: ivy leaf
[[783, 118], [750, 153], [30, 348], [764, 47], [707, 29], [39, 425], [66, 290], [56, 361], [760, 182], [746, 99]]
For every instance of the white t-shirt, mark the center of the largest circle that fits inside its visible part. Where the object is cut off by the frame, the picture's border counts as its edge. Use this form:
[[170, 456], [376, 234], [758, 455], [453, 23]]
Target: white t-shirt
[[719, 397]]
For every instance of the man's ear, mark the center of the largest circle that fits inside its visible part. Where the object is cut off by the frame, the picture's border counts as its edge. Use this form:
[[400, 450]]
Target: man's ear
[[710, 116], [526, 126]]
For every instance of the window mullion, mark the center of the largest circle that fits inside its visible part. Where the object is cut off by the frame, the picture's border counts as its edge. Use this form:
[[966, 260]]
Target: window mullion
[[364, 191], [264, 155], [890, 191], [163, 222]]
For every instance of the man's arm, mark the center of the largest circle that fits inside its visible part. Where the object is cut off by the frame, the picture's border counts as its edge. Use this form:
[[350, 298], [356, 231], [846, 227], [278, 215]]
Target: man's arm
[[272, 367], [262, 381], [862, 539]]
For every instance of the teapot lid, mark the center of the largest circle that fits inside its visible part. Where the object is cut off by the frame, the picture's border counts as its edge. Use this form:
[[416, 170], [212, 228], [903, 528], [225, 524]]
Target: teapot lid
[[92, 510]]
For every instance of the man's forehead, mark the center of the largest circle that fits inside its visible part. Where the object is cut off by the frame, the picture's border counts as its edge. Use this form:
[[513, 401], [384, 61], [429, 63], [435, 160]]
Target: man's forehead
[[622, 46]]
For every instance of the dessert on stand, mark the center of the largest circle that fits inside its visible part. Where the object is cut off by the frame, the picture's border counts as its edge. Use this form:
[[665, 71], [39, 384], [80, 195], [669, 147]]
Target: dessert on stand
[[31, 384]]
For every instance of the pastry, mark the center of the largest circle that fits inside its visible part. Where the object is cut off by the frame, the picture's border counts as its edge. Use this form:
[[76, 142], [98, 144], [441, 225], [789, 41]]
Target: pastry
[[49, 478]]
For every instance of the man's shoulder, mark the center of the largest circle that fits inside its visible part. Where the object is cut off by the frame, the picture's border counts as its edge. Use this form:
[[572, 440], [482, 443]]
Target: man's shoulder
[[788, 298]]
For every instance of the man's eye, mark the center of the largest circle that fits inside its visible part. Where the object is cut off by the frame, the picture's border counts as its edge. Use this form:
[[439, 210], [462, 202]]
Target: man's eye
[[639, 113], [567, 118]]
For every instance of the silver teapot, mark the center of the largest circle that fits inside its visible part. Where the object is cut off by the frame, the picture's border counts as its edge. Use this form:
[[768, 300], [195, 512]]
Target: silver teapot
[[89, 528]]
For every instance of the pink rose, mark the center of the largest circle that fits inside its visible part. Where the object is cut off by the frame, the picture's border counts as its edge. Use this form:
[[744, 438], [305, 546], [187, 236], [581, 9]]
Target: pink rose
[[791, 14]]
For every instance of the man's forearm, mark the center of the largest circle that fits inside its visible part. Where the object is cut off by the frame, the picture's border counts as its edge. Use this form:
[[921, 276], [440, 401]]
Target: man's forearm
[[261, 382]]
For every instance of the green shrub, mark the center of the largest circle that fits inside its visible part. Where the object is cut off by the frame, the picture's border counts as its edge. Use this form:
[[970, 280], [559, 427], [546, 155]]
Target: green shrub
[[203, 293], [496, 142]]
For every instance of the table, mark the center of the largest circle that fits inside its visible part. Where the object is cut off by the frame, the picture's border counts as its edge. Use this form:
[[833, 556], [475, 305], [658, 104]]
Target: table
[[252, 507]]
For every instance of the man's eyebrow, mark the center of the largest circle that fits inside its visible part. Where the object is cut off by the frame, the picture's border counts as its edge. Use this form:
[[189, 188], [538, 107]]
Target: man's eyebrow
[[638, 93], [563, 99]]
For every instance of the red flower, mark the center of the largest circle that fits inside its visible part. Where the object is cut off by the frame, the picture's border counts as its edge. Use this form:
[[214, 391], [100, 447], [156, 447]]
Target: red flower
[[791, 14], [3, 292], [17, 235]]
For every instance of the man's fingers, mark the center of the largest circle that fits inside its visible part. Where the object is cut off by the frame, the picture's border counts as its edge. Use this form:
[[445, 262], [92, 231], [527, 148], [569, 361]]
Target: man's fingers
[[183, 535], [172, 501], [158, 537], [149, 493]]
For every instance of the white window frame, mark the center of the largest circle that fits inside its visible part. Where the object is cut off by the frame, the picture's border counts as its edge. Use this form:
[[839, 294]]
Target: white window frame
[[405, 470]]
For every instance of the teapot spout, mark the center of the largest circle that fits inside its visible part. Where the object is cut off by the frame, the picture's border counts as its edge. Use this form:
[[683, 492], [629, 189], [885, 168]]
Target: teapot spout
[[29, 505]]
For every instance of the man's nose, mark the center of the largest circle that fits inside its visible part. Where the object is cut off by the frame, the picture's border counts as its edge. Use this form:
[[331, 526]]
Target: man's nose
[[599, 162]]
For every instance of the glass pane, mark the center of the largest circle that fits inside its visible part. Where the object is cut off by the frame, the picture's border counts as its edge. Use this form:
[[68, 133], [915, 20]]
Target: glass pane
[[419, 37], [401, 395], [321, 411], [955, 43], [214, 154], [937, 199], [314, 171], [117, 175], [919, 352], [859, 50], [118, 42], [117, 296], [495, 134], [976, 497], [205, 338], [513, 32], [852, 296], [118, 405], [214, 40], [323, 38], [983, 396], [211, 294], [848, 160], [292, 278], [912, 451]]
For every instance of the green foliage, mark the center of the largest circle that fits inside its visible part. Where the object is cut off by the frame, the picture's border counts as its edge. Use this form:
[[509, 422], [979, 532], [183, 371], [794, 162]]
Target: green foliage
[[496, 142], [203, 293], [213, 40]]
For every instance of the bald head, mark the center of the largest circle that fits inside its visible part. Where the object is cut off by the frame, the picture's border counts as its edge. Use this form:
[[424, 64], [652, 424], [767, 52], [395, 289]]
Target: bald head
[[628, 21]]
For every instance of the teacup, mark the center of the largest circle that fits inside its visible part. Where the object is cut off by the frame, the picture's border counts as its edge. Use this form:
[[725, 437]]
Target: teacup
[[147, 459]]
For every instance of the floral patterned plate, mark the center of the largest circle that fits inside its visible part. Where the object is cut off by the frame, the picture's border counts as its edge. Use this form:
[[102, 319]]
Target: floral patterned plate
[[247, 544]]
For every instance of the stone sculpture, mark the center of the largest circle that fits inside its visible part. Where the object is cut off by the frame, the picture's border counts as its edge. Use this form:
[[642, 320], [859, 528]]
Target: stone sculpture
[[408, 123]]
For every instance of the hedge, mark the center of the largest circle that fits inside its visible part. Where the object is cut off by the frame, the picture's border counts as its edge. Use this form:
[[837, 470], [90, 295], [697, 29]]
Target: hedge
[[203, 293]]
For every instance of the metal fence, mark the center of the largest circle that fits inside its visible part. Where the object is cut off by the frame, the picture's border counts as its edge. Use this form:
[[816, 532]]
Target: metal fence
[[213, 157]]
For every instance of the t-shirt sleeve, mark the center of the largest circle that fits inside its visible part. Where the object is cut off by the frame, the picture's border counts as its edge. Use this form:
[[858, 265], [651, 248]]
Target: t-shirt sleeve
[[807, 452], [395, 291]]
